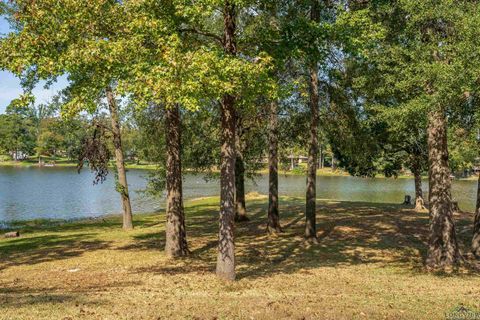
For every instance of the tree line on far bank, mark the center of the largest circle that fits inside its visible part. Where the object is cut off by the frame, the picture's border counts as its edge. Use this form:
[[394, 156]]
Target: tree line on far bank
[[387, 85]]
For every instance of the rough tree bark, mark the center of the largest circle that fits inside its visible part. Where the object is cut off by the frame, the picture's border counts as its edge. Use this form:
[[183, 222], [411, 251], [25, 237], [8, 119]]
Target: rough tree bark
[[226, 243], [476, 225], [417, 173], [122, 185], [443, 252], [273, 223], [240, 206], [176, 237], [310, 226]]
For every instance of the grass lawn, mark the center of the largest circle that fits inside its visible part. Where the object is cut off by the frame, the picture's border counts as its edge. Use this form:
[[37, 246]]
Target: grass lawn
[[300, 171], [368, 265], [64, 162]]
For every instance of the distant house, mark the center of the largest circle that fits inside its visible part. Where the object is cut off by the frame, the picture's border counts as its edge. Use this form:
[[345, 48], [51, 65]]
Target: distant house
[[18, 155], [296, 160]]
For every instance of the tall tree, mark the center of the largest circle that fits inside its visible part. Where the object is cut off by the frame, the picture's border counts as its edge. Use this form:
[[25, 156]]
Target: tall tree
[[475, 246], [71, 46], [161, 83], [226, 246], [476, 221], [311, 31], [176, 239], [312, 165], [122, 185], [273, 223], [236, 80], [17, 130], [310, 211], [417, 164], [198, 67], [428, 58], [442, 246], [240, 206]]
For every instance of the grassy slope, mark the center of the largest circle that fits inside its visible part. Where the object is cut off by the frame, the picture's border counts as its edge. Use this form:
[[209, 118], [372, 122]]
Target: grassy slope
[[368, 265]]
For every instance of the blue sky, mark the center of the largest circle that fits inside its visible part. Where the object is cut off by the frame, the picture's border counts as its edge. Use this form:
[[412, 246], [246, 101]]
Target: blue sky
[[10, 86]]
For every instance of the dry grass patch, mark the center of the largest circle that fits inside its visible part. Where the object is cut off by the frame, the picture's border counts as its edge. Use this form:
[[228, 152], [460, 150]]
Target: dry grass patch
[[368, 265]]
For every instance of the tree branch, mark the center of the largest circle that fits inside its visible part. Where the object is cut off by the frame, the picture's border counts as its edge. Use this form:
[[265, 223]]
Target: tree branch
[[203, 33]]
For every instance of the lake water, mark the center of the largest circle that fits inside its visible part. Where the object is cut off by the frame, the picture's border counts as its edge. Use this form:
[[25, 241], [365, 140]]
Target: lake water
[[62, 193]]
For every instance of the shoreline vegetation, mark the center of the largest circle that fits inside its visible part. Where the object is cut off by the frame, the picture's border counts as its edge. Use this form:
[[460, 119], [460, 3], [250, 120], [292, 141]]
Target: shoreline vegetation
[[88, 267], [298, 171], [66, 163]]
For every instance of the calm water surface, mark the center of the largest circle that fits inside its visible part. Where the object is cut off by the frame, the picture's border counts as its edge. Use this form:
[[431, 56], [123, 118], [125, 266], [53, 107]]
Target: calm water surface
[[62, 193]]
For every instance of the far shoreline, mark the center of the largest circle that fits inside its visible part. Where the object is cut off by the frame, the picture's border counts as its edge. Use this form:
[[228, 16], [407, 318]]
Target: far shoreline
[[65, 163]]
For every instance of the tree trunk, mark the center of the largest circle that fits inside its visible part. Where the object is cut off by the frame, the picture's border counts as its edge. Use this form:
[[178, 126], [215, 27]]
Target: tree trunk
[[226, 250], [121, 184], [476, 224], [417, 173], [176, 237], [240, 207], [226, 243], [443, 252], [320, 162], [334, 163], [310, 226], [310, 208], [273, 223]]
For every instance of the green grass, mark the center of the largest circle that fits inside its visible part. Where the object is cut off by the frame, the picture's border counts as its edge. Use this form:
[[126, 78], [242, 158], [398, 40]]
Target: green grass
[[67, 163], [33, 162], [300, 170], [63, 162], [368, 265]]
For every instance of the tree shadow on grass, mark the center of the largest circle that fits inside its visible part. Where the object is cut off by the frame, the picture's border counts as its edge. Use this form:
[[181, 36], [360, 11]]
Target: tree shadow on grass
[[29, 299], [349, 233], [33, 250], [17, 296], [202, 224], [148, 241], [111, 222]]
